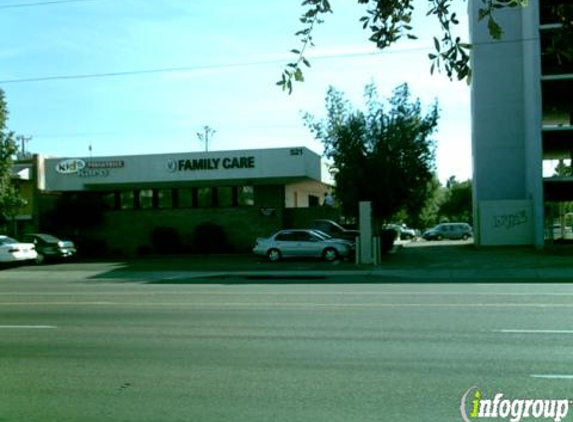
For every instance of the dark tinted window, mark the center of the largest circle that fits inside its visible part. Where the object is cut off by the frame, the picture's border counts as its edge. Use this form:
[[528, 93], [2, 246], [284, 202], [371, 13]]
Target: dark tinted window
[[285, 236], [303, 236], [322, 225]]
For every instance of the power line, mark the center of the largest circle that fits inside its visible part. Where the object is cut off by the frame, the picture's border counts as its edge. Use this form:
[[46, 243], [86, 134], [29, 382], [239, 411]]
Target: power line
[[232, 65], [42, 3], [192, 68]]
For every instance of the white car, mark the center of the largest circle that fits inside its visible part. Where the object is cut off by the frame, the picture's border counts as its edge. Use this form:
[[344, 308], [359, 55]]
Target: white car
[[13, 251], [303, 243], [403, 232]]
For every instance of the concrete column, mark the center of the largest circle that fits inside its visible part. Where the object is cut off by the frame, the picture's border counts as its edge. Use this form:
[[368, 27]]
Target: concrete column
[[365, 249]]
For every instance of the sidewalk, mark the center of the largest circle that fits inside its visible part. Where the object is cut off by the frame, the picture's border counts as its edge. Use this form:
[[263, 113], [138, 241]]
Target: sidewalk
[[412, 260], [451, 260]]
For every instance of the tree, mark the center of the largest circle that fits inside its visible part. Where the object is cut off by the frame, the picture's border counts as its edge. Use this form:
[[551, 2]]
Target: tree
[[381, 155], [391, 20], [429, 215], [10, 200], [457, 204]]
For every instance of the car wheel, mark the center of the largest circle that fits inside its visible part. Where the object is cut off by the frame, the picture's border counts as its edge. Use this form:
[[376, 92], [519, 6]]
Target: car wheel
[[465, 236], [40, 259], [274, 255], [439, 237], [330, 255]]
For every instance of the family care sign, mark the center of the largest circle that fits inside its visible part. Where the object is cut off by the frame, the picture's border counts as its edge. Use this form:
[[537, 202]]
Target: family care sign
[[227, 163]]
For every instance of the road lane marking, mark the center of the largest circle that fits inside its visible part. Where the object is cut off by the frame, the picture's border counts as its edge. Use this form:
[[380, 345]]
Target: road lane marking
[[526, 331], [292, 304], [27, 327], [553, 377], [285, 293]]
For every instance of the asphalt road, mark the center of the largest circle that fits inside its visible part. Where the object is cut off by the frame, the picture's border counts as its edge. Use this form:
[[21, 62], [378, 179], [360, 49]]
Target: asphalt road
[[75, 346]]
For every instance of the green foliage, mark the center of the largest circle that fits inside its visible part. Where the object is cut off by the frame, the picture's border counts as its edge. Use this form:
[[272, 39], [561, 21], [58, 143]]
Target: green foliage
[[383, 155], [562, 169], [3, 111], [429, 215], [457, 202], [309, 19], [210, 238], [559, 47], [389, 21], [10, 199], [166, 240]]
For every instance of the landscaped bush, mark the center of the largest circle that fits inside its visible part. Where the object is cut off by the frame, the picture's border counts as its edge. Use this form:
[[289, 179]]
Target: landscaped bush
[[90, 248], [166, 240], [210, 238], [387, 237]]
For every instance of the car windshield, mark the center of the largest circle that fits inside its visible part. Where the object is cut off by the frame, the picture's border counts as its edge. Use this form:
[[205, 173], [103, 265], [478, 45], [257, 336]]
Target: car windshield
[[322, 235], [7, 240], [48, 238]]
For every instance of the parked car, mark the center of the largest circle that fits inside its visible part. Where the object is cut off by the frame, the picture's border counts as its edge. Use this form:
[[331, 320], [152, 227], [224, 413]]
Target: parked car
[[461, 231], [403, 232], [13, 251], [49, 247], [334, 229], [564, 232], [303, 243]]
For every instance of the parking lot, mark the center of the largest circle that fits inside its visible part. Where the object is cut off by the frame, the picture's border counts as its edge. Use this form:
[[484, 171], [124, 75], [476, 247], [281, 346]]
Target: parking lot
[[418, 259]]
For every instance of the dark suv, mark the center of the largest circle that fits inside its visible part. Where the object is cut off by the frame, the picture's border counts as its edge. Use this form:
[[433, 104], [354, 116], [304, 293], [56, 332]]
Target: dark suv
[[50, 248], [334, 229], [461, 231]]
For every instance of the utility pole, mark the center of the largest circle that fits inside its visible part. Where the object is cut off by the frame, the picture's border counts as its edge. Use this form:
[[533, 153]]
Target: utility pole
[[205, 136]]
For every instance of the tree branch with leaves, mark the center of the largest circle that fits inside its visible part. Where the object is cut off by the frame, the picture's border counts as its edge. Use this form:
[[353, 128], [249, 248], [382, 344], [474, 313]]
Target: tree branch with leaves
[[389, 21]]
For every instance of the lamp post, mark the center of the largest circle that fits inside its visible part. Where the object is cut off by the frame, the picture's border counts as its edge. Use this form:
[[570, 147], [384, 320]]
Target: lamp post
[[205, 136]]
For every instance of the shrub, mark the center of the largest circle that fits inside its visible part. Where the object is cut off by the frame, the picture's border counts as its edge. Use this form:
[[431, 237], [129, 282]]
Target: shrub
[[165, 240], [210, 238], [387, 237]]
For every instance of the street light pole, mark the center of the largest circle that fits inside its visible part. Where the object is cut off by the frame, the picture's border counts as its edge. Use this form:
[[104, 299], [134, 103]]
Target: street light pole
[[204, 137]]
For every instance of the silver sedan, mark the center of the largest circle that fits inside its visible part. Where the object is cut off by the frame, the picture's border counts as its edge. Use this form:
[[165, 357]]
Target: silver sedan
[[302, 243]]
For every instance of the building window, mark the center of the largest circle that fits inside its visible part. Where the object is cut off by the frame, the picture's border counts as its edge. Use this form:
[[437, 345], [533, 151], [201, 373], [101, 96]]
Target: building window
[[245, 196], [111, 200], [313, 201], [204, 197], [185, 198], [127, 200], [226, 197], [145, 199], [163, 199]]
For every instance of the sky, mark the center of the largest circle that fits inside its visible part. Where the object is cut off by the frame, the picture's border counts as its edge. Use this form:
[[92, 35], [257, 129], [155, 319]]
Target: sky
[[128, 77]]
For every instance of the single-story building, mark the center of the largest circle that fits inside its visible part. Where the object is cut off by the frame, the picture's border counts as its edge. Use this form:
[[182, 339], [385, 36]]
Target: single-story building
[[247, 193]]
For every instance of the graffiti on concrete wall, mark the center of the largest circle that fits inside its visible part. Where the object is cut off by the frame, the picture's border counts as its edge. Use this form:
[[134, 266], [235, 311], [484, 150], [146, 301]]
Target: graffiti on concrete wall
[[509, 221]]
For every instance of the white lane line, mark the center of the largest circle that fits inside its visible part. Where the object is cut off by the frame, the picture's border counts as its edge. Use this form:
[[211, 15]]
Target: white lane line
[[357, 305], [522, 331], [27, 327], [285, 293], [553, 377]]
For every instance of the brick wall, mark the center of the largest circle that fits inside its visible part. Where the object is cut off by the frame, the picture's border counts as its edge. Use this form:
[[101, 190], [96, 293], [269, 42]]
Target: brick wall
[[129, 231]]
